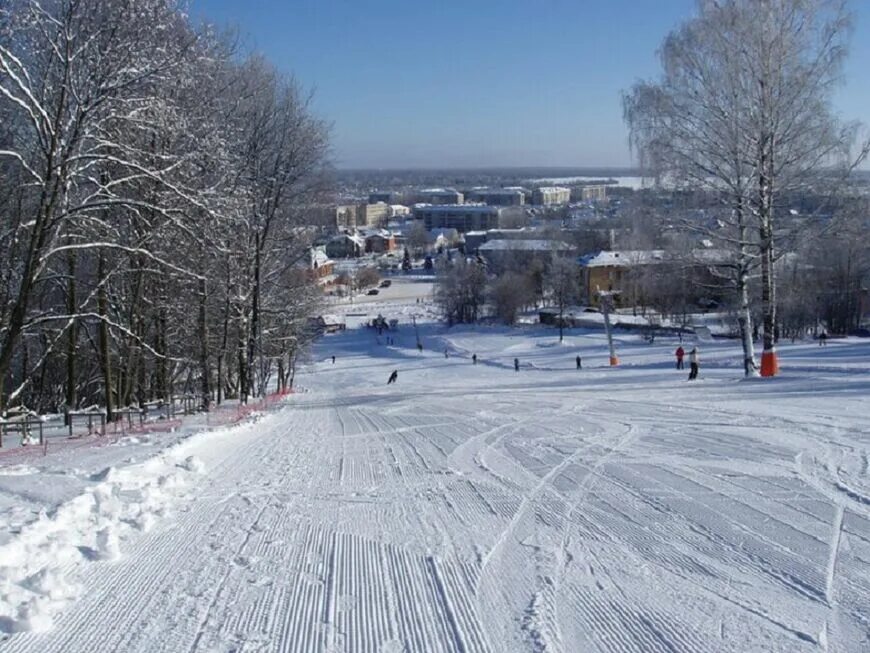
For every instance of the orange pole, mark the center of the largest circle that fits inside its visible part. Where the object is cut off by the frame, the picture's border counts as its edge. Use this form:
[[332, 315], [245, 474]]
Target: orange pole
[[769, 363]]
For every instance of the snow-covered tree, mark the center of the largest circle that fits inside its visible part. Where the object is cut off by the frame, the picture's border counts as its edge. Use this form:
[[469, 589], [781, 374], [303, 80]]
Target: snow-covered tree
[[150, 229], [742, 110]]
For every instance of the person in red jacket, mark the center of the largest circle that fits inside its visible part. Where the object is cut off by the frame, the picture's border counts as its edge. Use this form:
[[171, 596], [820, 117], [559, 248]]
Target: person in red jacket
[[679, 354]]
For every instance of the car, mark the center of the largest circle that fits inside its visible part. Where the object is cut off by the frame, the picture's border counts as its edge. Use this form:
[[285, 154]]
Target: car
[[386, 283], [373, 291]]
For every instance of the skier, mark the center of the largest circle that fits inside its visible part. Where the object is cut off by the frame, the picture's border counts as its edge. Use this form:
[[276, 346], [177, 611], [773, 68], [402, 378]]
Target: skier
[[516, 364], [579, 363], [823, 338], [393, 377], [693, 364], [333, 360], [446, 355], [679, 354], [420, 347], [474, 358]]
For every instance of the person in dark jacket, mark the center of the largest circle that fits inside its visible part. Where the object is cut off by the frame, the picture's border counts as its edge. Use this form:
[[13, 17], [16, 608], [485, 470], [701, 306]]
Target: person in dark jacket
[[516, 364], [393, 377], [579, 363], [474, 358], [694, 360]]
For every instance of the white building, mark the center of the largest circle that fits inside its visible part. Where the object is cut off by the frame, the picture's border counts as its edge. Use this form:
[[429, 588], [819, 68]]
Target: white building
[[551, 195]]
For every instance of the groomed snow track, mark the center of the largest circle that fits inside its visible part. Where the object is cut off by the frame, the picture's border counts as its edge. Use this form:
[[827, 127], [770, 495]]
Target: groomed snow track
[[478, 510]]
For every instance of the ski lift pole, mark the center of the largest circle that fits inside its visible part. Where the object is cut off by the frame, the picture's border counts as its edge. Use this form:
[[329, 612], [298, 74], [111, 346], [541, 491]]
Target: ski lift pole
[[607, 306]]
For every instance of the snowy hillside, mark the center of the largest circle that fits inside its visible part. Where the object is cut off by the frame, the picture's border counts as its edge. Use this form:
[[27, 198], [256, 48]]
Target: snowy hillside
[[468, 507]]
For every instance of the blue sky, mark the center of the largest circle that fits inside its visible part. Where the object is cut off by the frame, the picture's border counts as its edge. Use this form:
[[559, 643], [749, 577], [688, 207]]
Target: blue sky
[[420, 83]]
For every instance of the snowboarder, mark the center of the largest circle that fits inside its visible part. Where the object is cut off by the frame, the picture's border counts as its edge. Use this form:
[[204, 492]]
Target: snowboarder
[[579, 362], [516, 364], [823, 338], [679, 354], [474, 359], [393, 377], [693, 364]]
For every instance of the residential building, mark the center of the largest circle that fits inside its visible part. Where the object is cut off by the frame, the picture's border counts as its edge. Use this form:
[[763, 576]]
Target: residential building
[[497, 196], [399, 211], [440, 196], [335, 217], [551, 195], [387, 197], [503, 254], [317, 266], [373, 215], [474, 239], [596, 193], [320, 265], [619, 273], [463, 217], [345, 246], [379, 241], [442, 237]]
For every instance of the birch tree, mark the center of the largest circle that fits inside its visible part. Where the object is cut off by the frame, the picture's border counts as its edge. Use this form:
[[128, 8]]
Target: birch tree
[[742, 110]]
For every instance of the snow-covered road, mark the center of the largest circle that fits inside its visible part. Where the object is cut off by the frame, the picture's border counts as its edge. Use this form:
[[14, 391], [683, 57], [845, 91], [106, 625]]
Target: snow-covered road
[[471, 508]]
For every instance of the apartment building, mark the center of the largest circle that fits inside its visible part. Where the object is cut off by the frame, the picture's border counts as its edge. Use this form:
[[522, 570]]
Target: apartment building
[[551, 196], [463, 217], [497, 196]]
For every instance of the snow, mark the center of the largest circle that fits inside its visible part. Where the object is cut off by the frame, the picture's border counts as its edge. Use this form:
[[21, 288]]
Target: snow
[[468, 507]]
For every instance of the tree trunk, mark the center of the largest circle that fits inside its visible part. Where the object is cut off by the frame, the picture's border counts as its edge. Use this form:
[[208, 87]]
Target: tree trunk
[[72, 338], [135, 355], [162, 347], [205, 389], [103, 309], [254, 322], [243, 365], [744, 315], [744, 319]]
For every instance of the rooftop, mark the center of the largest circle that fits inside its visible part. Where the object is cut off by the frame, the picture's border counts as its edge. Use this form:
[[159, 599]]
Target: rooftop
[[498, 191], [628, 258], [462, 208], [525, 245]]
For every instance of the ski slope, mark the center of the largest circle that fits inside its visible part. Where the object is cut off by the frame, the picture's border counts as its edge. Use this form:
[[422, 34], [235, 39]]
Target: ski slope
[[474, 508]]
